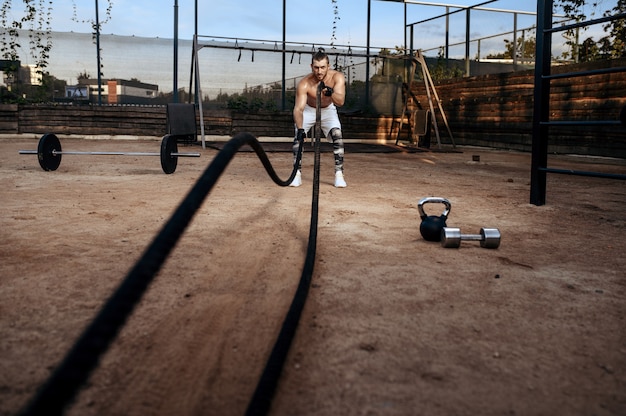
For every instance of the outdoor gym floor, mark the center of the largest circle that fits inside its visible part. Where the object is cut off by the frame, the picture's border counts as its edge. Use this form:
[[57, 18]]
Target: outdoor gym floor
[[393, 325]]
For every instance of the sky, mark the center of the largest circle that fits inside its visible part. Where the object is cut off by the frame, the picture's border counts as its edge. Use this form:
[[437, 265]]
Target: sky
[[307, 20]]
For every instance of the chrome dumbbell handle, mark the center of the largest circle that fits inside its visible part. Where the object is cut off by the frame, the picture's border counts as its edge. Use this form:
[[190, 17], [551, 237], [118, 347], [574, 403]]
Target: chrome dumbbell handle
[[489, 237]]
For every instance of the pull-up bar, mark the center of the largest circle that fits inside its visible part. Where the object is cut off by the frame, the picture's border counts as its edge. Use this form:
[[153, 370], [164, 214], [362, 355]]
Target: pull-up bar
[[456, 6]]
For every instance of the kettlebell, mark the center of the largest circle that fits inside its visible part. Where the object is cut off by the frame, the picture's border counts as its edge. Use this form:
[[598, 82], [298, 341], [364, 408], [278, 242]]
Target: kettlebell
[[432, 225]]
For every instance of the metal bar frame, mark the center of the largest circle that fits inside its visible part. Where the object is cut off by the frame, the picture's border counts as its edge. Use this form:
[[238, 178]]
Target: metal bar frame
[[541, 109]]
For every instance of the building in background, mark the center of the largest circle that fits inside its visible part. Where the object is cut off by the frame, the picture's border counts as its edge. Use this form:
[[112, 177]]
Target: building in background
[[114, 91]]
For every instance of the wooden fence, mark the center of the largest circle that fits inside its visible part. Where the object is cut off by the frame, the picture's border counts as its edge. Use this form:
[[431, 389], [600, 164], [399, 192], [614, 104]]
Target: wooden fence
[[490, 111], [497, 110]]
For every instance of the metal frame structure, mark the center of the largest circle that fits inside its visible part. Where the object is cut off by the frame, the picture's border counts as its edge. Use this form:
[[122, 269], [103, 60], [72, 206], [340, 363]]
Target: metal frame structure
[[283, 47], [261, 45], [541, 111], [431, 93], [459, 8]]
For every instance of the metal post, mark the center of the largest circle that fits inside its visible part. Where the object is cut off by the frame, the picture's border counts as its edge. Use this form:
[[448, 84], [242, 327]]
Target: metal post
[[283, 97], [541, 107], [447, 51], [467, 42], [175, 72], [194, 56], [405, 20], [523, 48], [367, 63], [98, 55], [515, 41]]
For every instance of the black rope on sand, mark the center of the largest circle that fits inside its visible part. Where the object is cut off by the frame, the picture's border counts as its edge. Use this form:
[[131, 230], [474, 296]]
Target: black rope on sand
[[62, 386], [262, 398]]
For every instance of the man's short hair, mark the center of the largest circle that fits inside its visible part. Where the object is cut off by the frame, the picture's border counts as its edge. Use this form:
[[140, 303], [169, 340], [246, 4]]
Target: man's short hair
[[320, 55]]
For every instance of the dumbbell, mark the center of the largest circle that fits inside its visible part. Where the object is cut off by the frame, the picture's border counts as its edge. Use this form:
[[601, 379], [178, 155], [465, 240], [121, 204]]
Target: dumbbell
[[452, 237]]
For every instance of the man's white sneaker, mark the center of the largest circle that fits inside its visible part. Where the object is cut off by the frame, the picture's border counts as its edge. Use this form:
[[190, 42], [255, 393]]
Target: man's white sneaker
[[297, 181], [339, 181]]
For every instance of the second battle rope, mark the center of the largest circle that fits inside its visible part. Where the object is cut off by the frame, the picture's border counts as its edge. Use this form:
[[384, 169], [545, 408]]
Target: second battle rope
[[61, 387], [264, 393]]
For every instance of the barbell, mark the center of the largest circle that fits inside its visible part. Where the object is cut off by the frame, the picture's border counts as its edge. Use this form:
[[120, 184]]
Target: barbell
[[452, 237], [49, 153]]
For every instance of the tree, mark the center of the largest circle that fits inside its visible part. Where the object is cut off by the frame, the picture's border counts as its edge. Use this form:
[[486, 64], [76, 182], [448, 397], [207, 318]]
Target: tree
[[336, 18], [526, 48], [82, 76], [95, 26], [611, 46], [36, 19], [617, 32], [588, 51]]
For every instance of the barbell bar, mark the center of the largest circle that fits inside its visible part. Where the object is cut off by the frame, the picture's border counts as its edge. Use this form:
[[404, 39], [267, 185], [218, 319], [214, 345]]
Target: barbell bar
[[49, 153], [451, 237]]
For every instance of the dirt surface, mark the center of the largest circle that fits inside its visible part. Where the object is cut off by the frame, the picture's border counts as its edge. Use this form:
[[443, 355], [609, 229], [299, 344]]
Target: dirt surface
[[393, 325]]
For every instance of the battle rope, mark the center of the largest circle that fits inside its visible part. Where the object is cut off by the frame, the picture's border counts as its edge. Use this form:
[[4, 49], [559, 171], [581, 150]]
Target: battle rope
[[264, 393], [63, 384]]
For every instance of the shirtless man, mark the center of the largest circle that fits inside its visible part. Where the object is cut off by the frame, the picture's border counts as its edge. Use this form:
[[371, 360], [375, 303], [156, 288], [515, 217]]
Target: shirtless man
[[304, 112]]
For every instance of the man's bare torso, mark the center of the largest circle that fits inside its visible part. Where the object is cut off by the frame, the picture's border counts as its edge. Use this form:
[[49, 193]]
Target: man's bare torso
[[311, 88]]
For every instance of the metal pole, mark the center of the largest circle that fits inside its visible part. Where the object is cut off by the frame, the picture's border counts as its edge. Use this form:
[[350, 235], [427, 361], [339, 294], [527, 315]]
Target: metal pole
[[98, 55], [194, 56], [283, 97], [447, 51], [467, 42], [405, 20], [541, 107], [523, 48], [367, 63], [515, 41], [175, 72]]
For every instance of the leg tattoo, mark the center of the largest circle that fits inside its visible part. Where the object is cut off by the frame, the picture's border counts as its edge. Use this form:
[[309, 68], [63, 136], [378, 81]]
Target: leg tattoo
[[336, 136], [296, 146]]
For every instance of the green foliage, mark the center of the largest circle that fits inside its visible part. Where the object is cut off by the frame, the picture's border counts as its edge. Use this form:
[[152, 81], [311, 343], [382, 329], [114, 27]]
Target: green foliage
[[615, 43], [441, 70], [36, 18], [572, 8], [336, 18], [611, 46], [250, 104], [83, 76], [96, 27], [94, 24], [525, 48], [355, 95], [50, 89]]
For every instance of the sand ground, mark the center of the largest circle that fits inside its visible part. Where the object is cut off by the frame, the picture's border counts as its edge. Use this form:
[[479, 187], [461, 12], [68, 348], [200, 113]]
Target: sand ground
[[393, 325]]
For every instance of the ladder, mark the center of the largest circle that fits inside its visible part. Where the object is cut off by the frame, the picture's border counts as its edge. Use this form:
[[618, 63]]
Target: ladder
[[407, 95], [432, 95]]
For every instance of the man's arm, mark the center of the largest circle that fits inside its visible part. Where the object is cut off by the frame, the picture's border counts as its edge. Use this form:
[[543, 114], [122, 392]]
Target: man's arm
[[298, 108], [339, 89]]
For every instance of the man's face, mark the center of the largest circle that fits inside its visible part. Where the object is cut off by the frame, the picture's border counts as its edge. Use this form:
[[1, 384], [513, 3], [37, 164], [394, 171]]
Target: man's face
[[320, 68]]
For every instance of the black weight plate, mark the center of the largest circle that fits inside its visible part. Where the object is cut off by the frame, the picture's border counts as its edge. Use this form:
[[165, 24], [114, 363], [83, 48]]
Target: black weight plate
[[168, 146], [47, 144]]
